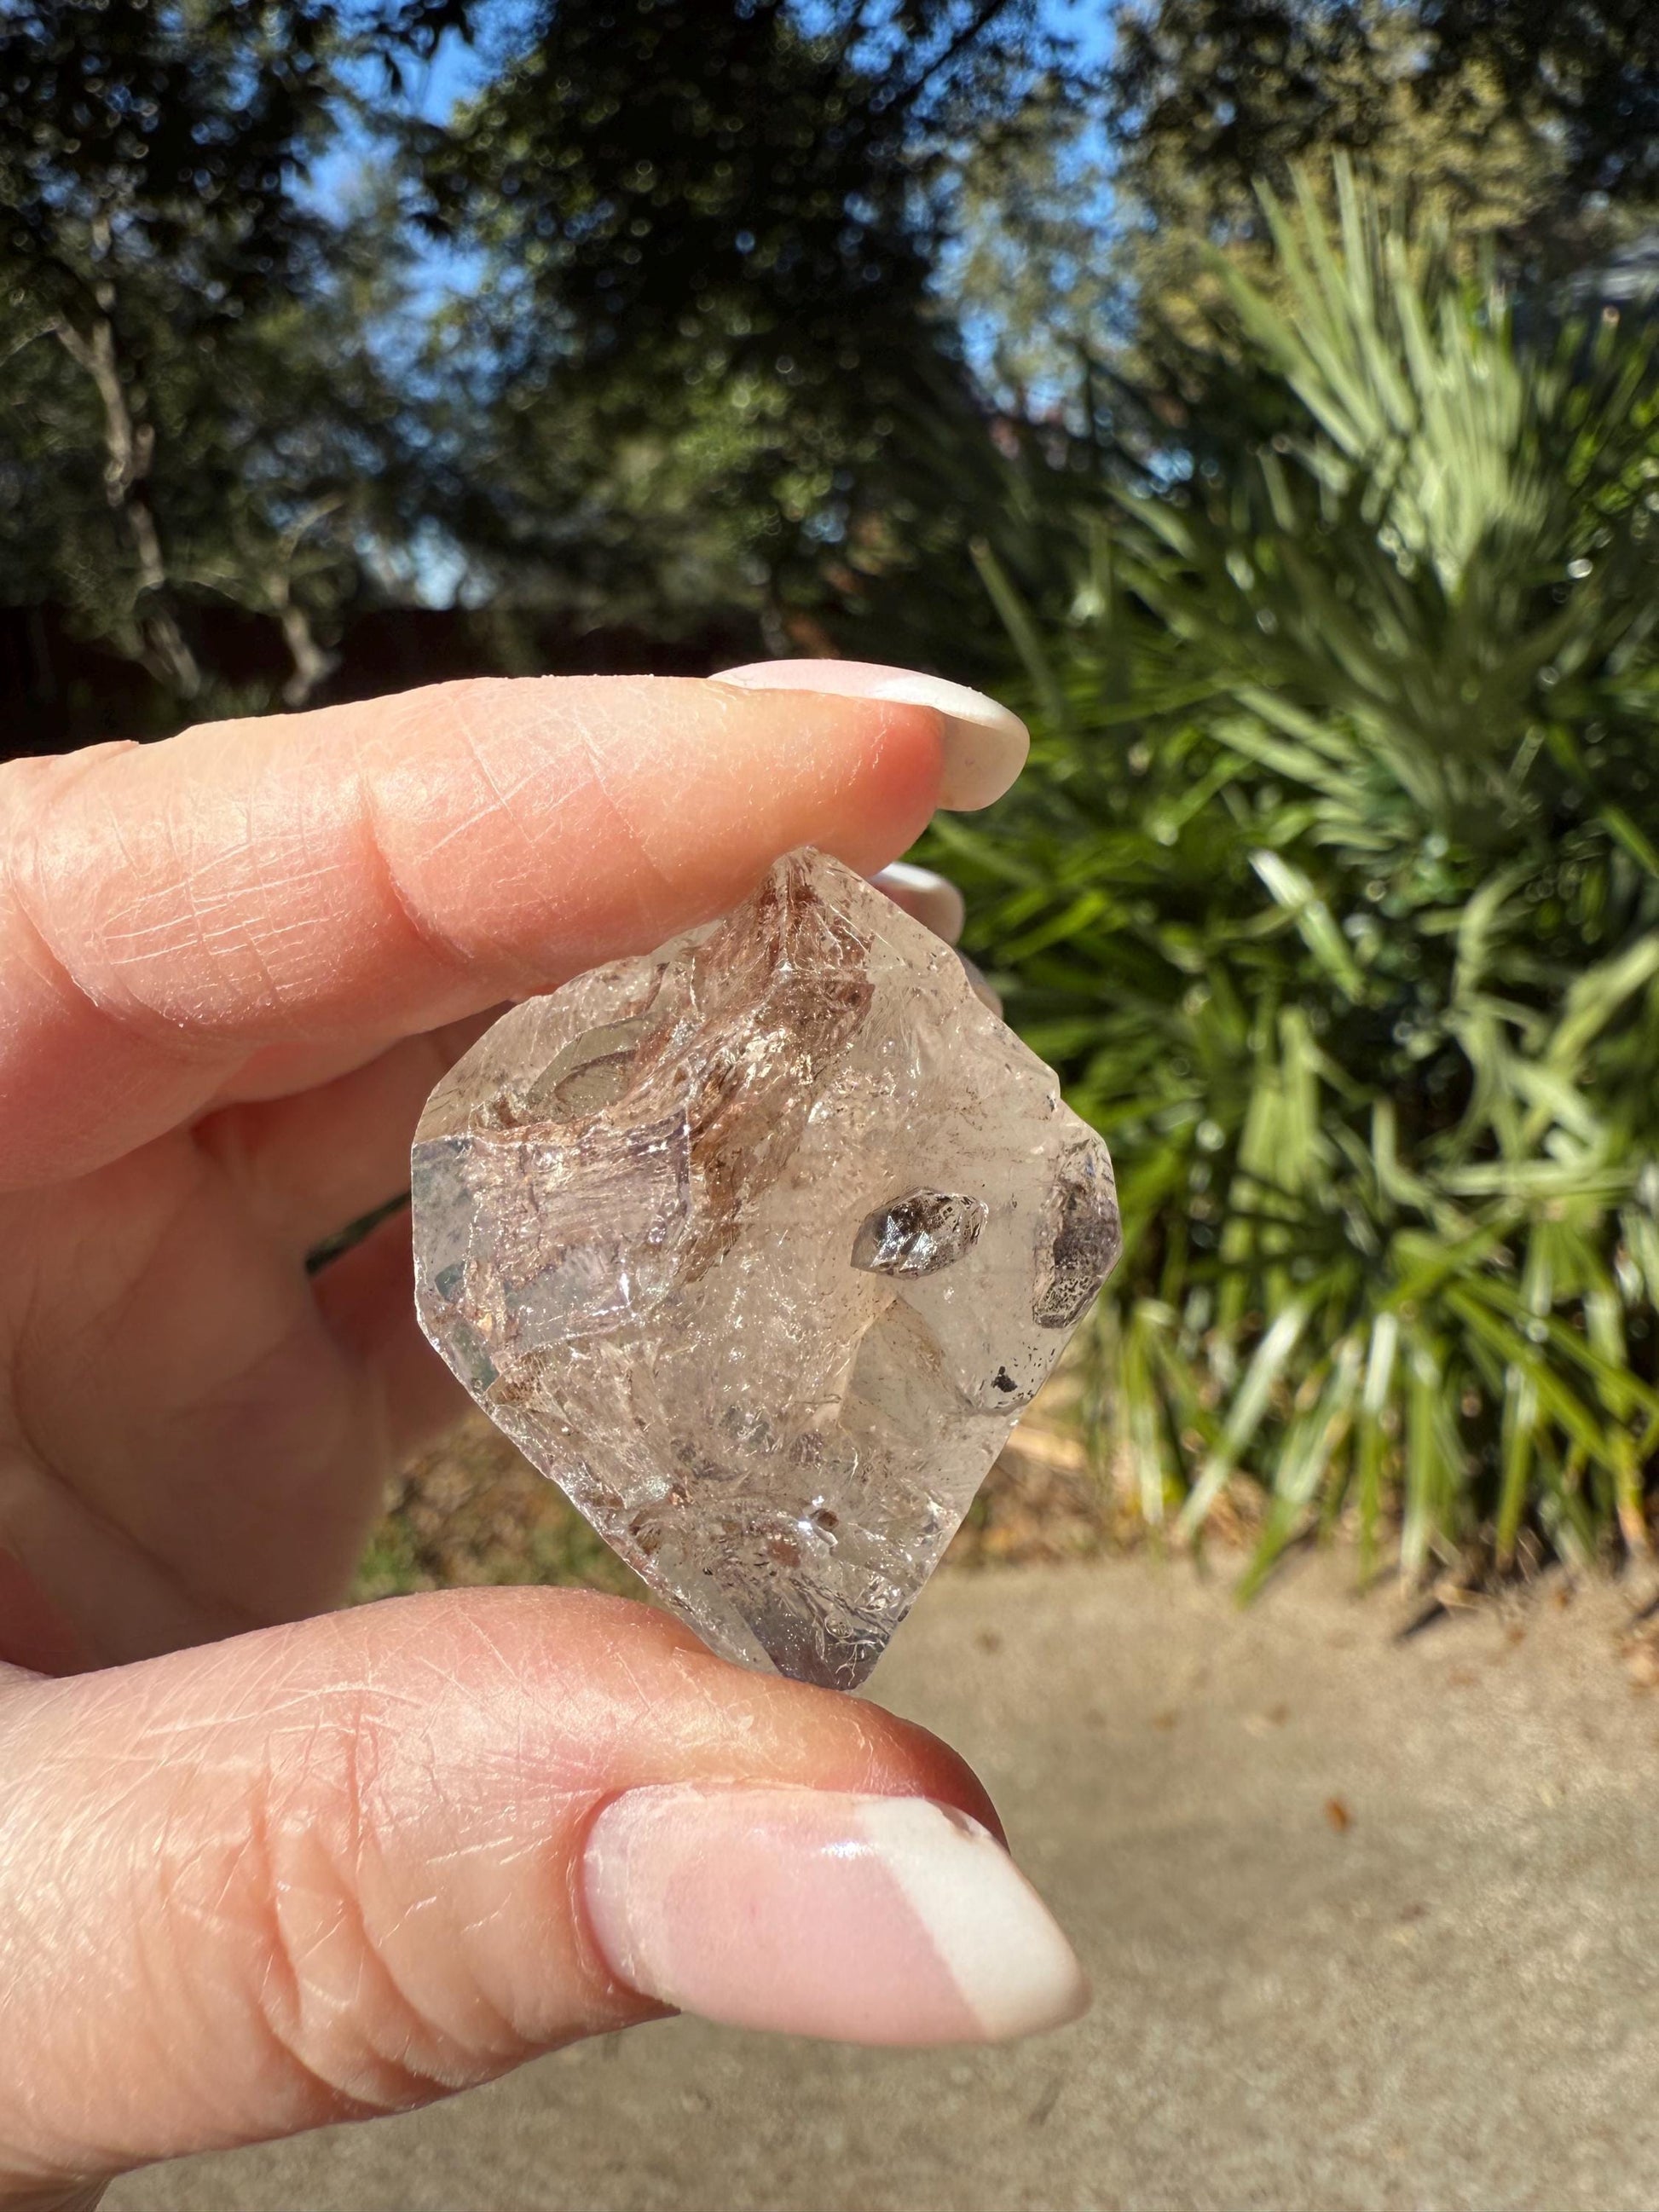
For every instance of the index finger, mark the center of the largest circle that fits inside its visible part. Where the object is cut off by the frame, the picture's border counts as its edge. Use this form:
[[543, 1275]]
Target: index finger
[[331, 881]]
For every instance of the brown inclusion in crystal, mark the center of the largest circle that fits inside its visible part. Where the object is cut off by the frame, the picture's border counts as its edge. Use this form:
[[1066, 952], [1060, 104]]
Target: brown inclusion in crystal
[[758, 1244]]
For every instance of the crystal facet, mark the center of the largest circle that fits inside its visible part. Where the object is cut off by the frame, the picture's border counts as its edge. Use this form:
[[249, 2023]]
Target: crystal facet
[[757, 1245]]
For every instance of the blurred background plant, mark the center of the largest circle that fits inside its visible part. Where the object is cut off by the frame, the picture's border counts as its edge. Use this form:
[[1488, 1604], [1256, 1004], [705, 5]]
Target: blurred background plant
[[1336, 900], [1261, 389]]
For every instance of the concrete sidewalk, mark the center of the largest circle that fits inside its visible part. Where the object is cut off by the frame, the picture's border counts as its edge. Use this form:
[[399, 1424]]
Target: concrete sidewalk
[[1371, 1925]]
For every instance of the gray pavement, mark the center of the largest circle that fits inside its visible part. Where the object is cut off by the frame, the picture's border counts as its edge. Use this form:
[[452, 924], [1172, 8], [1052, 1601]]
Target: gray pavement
[[1371, 1925]]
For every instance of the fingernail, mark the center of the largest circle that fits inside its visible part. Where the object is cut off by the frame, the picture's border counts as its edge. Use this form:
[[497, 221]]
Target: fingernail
[[886, 1920], [980, 987], [984, 743], [933, 900]]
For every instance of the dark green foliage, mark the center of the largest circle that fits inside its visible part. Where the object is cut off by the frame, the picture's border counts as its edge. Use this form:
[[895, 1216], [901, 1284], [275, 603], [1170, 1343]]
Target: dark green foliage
[[1241, 85], [1244, 86], [189, 407], [1593, 64], [1336, 897], [146, 204], [731, 174], [712, 231], [155, 135], [1512, 121]]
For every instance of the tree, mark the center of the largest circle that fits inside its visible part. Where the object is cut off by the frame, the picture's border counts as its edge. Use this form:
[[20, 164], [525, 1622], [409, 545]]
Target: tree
[[209, 329], [147, 163], [279, 458], [1211, 98], [712, 231], [1591, 66], [1033, 269], [294, 455], [724, 172]]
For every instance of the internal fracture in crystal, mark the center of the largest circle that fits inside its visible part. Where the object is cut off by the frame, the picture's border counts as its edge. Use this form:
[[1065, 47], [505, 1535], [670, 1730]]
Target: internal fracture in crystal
[[758, 1244]]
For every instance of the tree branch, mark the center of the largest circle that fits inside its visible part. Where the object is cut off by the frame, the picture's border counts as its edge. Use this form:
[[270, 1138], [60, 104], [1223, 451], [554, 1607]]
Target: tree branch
[[129, 449]]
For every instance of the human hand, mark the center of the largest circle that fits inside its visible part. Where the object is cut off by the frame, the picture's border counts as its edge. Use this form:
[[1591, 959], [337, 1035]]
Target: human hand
[[255, 1877]]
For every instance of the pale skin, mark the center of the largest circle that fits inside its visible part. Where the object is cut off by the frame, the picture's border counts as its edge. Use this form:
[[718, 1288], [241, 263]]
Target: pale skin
[[261, 1866]]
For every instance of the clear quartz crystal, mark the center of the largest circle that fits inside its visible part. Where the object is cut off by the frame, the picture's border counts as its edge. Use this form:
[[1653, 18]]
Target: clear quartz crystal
[[757, 1245]]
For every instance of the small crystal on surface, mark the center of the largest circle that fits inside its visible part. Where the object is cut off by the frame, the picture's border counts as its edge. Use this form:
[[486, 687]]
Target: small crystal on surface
[[758, 1244]]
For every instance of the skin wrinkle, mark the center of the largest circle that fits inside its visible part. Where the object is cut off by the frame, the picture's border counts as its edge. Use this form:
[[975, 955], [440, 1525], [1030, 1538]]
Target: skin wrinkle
[[222, 943], [156, 1030], [307, 871], [28, 786], [363, 2073], [526, 975], [282, 2012], [188, 916], [254, 939], [159, 1893], [693, 714], [193, 927], [276, 2012], [228, 1413], [261, 1698], [481, 1638], [503, 800], [241, 876], [220, 1615], [177, 927], [25, 1949], [521, 973], [447, 953], [632, 837], [365, 1793], [457, 2030]]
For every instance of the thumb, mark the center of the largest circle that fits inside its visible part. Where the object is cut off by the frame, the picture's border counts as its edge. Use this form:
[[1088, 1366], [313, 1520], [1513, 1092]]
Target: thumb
[[346, 1867]]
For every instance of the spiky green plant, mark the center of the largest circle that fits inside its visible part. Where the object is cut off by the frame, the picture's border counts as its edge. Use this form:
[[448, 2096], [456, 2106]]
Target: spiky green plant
[[1336, 895]]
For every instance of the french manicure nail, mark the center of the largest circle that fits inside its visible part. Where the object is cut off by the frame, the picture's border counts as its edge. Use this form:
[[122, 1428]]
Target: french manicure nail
[[937, 902], [879, 1920], [933, 900], [978, 984], [984, 743]]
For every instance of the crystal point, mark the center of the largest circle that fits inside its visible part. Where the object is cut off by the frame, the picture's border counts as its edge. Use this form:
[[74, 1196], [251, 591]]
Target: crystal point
[[758, 1244]]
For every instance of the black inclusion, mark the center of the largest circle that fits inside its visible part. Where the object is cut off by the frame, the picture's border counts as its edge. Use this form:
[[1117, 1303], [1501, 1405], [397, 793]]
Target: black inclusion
[[919, 1233]]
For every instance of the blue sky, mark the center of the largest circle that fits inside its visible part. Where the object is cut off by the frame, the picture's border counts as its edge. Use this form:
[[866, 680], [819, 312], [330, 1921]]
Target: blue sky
[[456, 70]]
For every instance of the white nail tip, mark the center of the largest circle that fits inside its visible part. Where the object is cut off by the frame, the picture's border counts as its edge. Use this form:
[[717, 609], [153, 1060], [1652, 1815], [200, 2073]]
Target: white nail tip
[[955, 700], [909, 877], [1015, 1971], [931, 899], [980, 987], [986, 743]]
